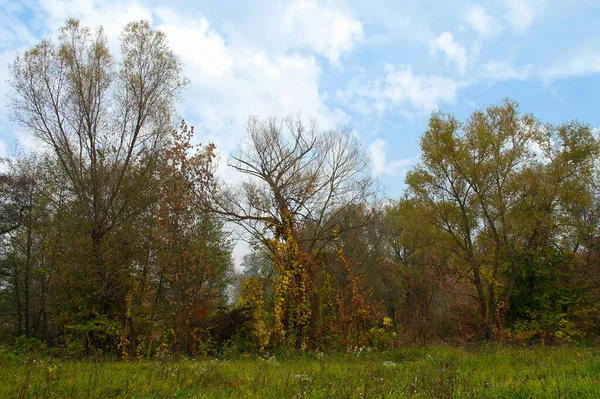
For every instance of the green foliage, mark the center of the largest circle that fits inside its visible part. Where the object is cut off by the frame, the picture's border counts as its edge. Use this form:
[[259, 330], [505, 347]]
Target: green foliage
[[28, 346], [550, 303], [95, 337]]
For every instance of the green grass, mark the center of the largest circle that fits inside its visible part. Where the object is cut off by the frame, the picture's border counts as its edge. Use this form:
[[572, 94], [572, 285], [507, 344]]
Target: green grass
[[426, 372]]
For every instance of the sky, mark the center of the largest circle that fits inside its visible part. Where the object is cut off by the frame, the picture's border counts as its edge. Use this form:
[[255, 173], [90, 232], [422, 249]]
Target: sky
[[378, 67]]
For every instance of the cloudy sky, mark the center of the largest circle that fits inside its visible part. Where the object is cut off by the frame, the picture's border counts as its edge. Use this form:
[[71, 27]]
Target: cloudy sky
[[378, 66]]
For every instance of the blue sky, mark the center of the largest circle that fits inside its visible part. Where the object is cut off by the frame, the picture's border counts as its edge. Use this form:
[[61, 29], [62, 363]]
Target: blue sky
[[379, 66]]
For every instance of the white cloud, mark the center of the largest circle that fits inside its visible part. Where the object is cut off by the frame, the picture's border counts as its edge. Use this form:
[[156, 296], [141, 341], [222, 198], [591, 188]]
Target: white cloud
[[585, 62], [453, 51], [196, 43], [327, 31], [7, 57], [421, 91], [520, 14], [12, 30], [29, 143], [502, 70], [378, 160], [484, 24], [400, 89], [111, 15]]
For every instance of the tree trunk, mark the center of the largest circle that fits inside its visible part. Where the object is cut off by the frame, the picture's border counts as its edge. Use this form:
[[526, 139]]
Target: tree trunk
[[483, 309], [27, 275]]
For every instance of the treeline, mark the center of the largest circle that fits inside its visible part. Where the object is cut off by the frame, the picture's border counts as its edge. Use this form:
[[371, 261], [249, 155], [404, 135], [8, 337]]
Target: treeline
[[113, 237]]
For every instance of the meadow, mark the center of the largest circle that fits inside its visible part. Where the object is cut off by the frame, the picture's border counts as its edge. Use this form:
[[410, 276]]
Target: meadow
[[416, 372]]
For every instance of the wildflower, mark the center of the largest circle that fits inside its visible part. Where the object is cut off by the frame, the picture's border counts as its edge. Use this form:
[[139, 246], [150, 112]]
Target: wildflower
[[303, 377]]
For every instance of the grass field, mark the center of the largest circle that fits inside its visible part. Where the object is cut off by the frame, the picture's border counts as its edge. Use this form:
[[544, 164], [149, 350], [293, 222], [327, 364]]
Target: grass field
[[426, 372]]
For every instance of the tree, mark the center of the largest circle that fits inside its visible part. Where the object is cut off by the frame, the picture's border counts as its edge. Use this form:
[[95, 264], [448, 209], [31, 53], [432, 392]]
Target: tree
[[428, 297], [560, 257], [15, 199], [470, 179], [299, 185], [297, 178], [104, 121], [22, 250], [192, 250], [489, 186]]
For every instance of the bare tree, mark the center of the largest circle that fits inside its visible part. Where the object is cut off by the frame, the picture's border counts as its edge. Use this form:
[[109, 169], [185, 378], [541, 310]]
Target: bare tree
[[299, 188], [297, 179]]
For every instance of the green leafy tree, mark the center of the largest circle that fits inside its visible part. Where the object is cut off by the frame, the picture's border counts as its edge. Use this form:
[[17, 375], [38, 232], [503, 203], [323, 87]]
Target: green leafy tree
[[499, 187]]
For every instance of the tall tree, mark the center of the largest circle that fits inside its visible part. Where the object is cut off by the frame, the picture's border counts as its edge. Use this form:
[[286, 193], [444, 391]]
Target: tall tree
[[103, 119], [471, 179], [300, 184], [193, 251], [495, 186]]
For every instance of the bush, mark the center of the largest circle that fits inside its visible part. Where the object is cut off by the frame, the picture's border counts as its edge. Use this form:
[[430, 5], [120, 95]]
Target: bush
[[24, 345], [97, 336], [225, 330]]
